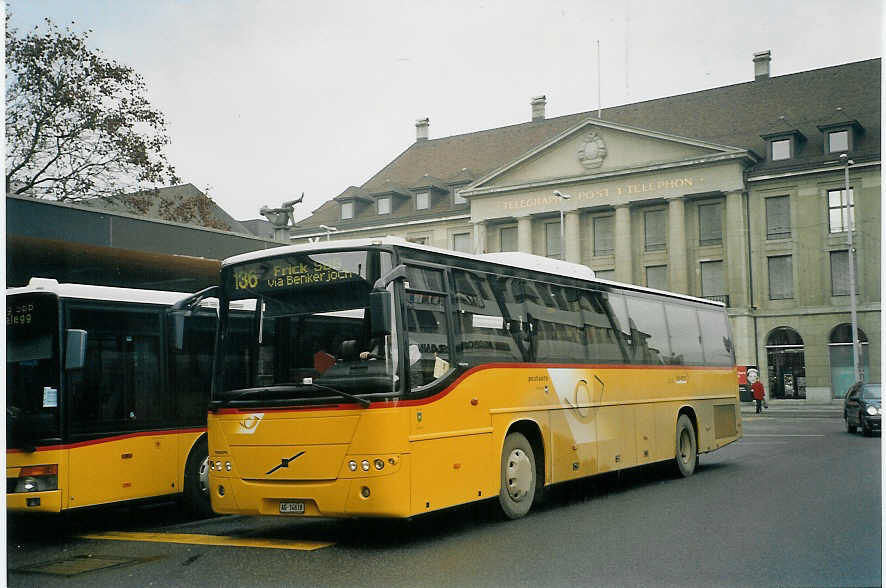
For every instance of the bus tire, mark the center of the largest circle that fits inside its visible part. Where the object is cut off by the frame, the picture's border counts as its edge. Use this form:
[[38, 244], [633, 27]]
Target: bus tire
[[518, 476], [196, 490], [687, 449]]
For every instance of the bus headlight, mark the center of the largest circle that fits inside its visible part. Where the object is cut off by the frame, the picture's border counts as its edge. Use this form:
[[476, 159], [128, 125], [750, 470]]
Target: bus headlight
[[872, 411], [37, 478]]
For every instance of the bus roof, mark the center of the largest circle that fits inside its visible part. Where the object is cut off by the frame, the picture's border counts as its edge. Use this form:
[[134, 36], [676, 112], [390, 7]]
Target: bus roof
[[107, 293], [528, 261]]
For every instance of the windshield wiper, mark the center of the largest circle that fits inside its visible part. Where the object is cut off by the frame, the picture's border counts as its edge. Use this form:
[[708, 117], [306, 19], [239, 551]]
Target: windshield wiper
[[292, 388]]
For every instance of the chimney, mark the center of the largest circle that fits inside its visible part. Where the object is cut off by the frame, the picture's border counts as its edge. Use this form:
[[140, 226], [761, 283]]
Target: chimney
[[421, 129], [538, 108], [761, 64]]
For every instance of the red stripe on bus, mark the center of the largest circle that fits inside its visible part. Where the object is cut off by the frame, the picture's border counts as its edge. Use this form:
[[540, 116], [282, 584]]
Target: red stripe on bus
[[110, 439], [471, 371]]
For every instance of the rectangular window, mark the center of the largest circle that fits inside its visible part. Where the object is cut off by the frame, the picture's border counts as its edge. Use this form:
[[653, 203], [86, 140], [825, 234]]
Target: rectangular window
[[384, 205], [654, 229], [710, 224], [422, 200], [461, 242], [508, 239], [457, 197], [684, 335], [715, 338], [781, 149], [484, 335], [608, 274], [347, 210], [778, 217], [657, 277], [840, 273], [190, 365], [604, 244], [712, 282], [838, 141], [781, 277], [552, 240], [418, 240], [841, 211], [649, 332]]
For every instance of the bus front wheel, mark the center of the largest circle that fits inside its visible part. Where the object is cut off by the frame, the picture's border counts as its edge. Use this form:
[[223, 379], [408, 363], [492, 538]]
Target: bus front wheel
[[518, 476], [687, 450], [196, 490]]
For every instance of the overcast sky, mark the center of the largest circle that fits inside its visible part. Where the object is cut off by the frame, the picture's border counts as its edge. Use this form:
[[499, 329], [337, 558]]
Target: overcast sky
[[266, 100]]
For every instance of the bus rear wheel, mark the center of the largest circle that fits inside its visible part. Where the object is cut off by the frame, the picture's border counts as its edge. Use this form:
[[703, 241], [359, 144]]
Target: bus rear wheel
[[687, 449], [518, 476], [196, 490]]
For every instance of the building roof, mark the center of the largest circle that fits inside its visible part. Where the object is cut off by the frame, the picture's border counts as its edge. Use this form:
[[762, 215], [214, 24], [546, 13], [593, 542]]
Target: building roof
[[739, 115]]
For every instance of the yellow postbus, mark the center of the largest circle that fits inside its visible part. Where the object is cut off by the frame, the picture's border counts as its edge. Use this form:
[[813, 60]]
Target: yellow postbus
[[106, 392], [384, 378]]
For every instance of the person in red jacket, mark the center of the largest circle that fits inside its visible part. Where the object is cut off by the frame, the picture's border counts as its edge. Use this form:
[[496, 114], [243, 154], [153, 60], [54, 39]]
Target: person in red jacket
[[757, 389]]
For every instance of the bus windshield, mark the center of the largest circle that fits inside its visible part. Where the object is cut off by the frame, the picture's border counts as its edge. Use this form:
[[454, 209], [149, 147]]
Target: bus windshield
[[32, 369], [297, 328]]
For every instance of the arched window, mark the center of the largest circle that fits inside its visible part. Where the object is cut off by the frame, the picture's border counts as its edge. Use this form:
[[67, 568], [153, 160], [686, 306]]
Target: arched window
[[786, 360], [840, 354]]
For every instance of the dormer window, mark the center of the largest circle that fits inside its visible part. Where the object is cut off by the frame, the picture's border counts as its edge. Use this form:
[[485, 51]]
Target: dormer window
[[347, 210], [783, 144], [457, 198], [384, 205], [840, 137], [838, 141], [422, 200], [780, 149]]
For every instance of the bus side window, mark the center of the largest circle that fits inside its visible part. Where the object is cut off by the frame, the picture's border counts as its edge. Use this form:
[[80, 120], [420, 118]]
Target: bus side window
[[715, 338], [190, 367], [649, 333], [684, 335], [483, 335], [120, 387]]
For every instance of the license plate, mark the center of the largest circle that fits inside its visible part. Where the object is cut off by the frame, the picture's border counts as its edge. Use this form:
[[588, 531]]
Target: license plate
[[292, 508]]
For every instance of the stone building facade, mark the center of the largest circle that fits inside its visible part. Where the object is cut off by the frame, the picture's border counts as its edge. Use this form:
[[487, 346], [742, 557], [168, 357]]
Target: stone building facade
[[732, 193]]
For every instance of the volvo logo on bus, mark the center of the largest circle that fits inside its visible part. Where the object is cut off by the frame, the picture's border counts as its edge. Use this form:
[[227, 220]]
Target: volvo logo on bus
[[284, 463]]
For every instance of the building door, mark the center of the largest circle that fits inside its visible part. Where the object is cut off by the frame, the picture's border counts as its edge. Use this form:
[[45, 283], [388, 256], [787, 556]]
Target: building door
[[787, 363], [840, 355]]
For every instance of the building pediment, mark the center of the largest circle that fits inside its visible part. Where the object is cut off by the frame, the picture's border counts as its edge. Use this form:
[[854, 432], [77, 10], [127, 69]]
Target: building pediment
[[595, 148]]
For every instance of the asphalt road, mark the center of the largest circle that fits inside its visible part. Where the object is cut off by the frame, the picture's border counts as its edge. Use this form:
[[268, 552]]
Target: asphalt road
[[796, 502]]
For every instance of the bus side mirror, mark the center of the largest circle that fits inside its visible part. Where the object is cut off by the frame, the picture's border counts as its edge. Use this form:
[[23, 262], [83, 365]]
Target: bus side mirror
[[75, 349], [178, 329], [380, 312]]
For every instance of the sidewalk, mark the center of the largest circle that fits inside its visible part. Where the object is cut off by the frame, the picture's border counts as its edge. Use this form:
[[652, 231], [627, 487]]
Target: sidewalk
[[794, 409]]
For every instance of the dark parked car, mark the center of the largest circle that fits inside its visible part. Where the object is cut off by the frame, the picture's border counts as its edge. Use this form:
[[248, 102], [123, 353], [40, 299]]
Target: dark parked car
[[862, 408]]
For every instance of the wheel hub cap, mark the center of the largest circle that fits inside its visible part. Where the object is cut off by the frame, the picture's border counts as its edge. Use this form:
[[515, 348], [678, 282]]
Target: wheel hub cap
[[519, 475]]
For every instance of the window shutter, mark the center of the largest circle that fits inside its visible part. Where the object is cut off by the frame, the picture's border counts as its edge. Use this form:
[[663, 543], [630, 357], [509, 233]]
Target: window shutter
[[603, 242], [710, 224], [778, 217], [655, 230], [712, 279], [781, 278]]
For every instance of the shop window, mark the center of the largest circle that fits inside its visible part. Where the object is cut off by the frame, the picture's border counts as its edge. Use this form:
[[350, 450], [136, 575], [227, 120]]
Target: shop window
[[842, 359], [778, 217], [786, 359]]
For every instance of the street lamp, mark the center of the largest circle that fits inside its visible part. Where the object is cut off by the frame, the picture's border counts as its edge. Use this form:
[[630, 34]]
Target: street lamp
[[328, 230], [850, 224], [563, 197]]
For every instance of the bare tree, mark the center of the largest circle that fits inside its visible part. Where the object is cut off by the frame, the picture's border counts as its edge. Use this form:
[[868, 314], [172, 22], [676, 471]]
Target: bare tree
[[78, 125]]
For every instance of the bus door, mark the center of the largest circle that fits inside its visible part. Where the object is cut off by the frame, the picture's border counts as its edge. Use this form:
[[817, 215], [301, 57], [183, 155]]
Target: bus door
[[119, 409]]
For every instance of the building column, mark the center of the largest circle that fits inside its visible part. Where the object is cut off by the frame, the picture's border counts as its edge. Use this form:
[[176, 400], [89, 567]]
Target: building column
[[737, 270], [572, 236], [624, 271], [479, 237], [678, 277], [524, 234]]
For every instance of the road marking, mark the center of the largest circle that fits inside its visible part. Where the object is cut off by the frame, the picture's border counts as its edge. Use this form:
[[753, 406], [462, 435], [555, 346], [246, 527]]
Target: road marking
[[785, 435], [209, 540]]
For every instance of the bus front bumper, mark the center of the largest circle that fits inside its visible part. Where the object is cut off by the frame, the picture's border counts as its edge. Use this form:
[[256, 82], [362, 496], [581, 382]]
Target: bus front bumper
[[358, 496], [49, 501]]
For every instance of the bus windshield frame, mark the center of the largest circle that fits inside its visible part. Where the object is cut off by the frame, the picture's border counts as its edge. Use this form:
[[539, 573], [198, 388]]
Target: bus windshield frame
[[297, 329]]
